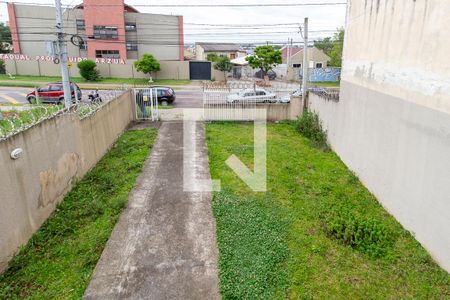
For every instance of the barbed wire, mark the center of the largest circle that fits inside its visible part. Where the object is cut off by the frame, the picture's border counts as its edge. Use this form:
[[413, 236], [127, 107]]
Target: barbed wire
[[327, 93], [21, 118]]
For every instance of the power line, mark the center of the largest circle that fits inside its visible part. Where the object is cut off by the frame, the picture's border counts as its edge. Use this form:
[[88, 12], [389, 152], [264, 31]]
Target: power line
[[201, 5], [227, 33], [231, 26]]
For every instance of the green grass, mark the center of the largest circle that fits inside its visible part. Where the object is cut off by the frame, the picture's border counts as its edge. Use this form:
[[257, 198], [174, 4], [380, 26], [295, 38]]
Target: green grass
[[47, 79], [58, 261], [19, 84], [325, 84], [306, 237]]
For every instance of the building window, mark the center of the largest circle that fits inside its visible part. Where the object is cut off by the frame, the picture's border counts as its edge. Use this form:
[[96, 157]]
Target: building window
[[319, 65], [130, 27], [232, 55], [80, 24], [56, 88], [297, 65], [83, 46], [132, 46], [107, 54], [105, 33]]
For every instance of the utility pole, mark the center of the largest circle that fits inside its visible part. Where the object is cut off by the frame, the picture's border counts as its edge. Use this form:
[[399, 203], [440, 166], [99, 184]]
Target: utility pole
[[292, 48], [305, 62], [288, 58], [63, 59]]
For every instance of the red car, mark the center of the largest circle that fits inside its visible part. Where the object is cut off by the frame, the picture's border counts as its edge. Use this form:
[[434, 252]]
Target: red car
[[53, 93]]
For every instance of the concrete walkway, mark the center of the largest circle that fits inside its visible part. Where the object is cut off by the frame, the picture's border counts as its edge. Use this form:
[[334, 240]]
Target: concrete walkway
[[164, 245]]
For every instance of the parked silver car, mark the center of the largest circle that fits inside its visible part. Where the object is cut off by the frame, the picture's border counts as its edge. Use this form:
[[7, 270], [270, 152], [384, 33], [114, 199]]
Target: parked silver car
[[253, 95], [287, 98]]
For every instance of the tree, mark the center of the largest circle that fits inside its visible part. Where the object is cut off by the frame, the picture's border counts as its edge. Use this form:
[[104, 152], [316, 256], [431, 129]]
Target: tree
[[5, 38], [326, 45], [223, 64], [336, 53], [265, 58], [332, 46], [147, 64], [212, 57], [88, 70]]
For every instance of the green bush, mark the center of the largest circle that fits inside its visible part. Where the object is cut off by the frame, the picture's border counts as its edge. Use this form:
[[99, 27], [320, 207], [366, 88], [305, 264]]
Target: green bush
[[88, 70], [2, 64], [310, 126], [212, 57], [367, 235]]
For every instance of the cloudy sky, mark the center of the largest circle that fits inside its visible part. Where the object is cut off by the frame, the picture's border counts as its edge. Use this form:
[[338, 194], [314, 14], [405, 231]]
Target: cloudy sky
[[324, 19]]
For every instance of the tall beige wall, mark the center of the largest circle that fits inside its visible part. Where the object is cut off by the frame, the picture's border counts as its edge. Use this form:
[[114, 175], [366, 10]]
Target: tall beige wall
[[392, 123], [55, 153], [169, 69]]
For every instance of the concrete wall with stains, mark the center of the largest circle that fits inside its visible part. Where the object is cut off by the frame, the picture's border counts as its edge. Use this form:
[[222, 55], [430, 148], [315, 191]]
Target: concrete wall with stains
[[169, 69], [55, 153], [392, 124]]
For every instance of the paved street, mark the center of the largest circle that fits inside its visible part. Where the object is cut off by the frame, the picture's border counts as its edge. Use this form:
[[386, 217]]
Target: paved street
[[191, 97], [13, 95], [187, 97]]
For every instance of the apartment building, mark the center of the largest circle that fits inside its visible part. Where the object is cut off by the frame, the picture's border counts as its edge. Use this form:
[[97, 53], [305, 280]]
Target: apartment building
[[109, 29]]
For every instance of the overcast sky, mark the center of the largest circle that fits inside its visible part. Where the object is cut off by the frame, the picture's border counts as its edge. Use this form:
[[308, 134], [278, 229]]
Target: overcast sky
[[323, 19]]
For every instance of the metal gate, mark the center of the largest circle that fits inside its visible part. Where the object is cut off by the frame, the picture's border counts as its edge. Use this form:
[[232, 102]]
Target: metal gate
[[146, 104], [243, 101], [200, 70]]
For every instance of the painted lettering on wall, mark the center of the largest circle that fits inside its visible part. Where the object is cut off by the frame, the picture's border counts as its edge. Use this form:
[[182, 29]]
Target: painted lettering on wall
[[23, 57]]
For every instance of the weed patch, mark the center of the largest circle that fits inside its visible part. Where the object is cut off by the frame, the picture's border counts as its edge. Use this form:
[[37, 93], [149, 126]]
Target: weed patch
[[310, 126], [365, 234]]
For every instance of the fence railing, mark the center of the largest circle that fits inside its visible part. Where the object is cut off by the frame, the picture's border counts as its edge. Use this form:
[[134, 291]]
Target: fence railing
[[242, 101], [146, 103], [327, 93]]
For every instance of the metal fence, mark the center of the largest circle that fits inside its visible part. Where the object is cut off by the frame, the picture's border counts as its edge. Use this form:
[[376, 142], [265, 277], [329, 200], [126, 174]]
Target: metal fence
[[146, 104], [327, 93], [239, 101]]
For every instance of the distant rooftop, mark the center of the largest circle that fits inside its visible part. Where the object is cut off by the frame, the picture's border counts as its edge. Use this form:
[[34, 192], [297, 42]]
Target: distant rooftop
[[220, 47]]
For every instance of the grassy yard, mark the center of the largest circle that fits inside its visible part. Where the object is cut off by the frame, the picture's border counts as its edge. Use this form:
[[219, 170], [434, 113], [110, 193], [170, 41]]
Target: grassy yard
[[317, 233], [58, 261], [46, 79], [325, 84]]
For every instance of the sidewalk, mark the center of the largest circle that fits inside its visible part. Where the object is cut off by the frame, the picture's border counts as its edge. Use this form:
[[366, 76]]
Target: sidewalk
[[164, 245]]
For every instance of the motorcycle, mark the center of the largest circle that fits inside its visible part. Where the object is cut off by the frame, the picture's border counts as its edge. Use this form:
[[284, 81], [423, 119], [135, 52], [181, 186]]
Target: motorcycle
[[94, 97]]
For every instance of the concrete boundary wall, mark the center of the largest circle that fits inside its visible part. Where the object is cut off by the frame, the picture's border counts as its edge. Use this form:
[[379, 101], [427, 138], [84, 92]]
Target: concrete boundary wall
[[400, 151], [55, 153], [169, 69]]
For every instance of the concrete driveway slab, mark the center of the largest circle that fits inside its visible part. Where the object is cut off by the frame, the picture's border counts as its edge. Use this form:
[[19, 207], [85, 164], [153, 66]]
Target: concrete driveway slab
[[164, 245]]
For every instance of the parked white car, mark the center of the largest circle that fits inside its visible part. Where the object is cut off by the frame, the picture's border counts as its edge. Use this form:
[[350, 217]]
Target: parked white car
[[253, 95], [287, 98]]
